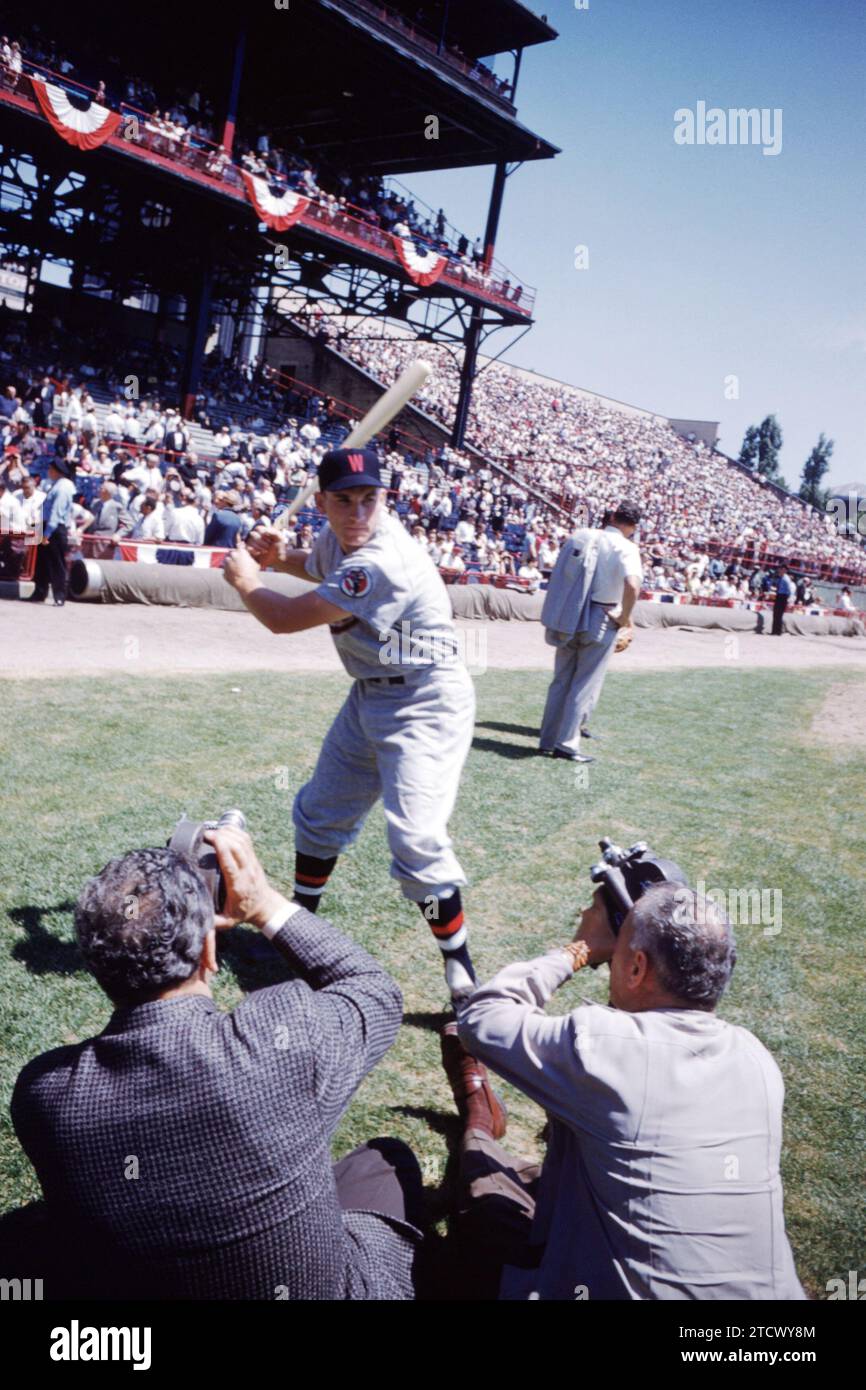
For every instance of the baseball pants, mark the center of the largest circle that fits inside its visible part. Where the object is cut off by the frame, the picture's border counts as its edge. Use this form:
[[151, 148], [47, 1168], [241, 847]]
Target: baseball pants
[[406, 743], [51, 566], [578, 676]]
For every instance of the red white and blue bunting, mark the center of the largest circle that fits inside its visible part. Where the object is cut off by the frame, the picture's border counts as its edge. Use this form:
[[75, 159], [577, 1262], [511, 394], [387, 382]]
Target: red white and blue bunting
[[278, 213], [165, 553], [86, 128], [424, 268]]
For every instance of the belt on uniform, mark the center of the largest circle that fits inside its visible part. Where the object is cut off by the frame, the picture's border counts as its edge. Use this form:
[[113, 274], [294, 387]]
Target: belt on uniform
[[384, 680]]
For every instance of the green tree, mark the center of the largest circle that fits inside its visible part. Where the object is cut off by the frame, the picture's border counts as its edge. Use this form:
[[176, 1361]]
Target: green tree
[[749, 448], [769, 444], [814, 468]]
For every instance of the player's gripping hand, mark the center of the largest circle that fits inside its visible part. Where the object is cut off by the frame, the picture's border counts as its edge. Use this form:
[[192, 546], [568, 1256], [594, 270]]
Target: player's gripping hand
[[267, 546], [249, 896], [240, 569]]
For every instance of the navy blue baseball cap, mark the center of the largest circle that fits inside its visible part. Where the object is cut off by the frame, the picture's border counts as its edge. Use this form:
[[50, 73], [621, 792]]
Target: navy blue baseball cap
[[342, 468]]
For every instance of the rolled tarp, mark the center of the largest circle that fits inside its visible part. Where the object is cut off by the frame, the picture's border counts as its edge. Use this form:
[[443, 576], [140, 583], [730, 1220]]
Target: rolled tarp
[[178, 586], [191, 586]]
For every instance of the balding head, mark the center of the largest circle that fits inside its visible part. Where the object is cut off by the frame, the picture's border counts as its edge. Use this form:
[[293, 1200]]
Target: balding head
[[675, 950]]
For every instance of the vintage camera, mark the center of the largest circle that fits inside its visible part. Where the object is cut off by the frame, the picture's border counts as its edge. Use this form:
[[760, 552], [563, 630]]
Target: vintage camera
[[188, 839], [624, 875]]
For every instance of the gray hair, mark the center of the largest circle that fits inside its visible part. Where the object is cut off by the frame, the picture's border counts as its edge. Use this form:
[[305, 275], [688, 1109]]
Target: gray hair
[[141, 923], [689, 941]]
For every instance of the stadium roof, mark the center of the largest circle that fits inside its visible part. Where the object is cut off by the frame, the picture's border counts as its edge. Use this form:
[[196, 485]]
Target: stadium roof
[[348, 81], [476, 23], [371, 111]]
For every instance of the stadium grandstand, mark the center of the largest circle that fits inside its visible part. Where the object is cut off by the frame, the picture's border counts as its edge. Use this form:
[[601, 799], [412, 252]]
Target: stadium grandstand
[[211, 260]]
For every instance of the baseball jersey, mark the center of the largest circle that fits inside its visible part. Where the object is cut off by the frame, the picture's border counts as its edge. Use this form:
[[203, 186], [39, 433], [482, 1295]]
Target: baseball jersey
[[618, 560], [398, 612]]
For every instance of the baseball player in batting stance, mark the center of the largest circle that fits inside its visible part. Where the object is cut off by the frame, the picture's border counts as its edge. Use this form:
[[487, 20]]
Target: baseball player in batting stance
[[406, 727]]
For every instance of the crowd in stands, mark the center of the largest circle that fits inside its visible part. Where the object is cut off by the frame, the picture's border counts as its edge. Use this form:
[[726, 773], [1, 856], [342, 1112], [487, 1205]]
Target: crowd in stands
[[423, 28], [708, 526], [139, 478], [580, 451], [184, 128]]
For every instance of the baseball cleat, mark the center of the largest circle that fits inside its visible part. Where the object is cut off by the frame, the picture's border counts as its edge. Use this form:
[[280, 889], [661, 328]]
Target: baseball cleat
[[460, 983]]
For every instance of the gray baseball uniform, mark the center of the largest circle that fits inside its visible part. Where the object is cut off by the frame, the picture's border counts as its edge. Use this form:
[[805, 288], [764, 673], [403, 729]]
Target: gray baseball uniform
[[587, 582], [406, 727]]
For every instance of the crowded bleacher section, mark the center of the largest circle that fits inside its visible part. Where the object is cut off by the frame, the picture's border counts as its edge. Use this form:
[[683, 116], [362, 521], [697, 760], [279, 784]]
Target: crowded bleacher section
[[555, 458], [182, 126], [580, 451]]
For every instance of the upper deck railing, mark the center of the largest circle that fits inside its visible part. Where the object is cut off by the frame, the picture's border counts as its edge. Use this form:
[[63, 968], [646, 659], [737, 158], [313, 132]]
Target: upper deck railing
[[195, 157]]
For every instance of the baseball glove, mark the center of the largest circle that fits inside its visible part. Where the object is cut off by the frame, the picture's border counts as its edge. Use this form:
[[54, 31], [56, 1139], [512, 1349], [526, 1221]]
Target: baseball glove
[[624, 638]]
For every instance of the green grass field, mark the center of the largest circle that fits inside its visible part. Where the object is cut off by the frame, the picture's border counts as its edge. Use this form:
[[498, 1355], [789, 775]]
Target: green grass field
[[715, 768]]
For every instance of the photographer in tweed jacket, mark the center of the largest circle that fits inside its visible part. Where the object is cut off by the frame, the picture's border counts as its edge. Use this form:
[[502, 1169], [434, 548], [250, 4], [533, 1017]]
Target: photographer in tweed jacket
[[185, 1152]]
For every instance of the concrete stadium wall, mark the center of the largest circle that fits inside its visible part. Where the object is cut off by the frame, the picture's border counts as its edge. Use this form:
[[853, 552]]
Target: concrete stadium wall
[[706, 430]]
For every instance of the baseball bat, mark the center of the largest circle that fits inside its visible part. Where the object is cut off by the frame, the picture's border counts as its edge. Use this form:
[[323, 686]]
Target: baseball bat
[[381, 412]]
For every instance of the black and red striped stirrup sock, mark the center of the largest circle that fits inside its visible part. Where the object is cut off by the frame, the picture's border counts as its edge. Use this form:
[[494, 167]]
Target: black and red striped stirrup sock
[[311, 878], [444, 916]]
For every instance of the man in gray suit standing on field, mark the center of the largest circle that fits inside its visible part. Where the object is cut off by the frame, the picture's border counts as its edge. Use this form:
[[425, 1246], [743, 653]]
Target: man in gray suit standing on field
[[587, 615]]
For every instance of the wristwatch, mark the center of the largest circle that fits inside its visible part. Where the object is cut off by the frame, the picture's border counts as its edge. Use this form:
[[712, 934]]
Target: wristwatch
[[578, 953]]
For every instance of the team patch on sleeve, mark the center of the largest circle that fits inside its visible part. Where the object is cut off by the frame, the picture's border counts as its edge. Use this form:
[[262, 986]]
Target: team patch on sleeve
[[356, 582]]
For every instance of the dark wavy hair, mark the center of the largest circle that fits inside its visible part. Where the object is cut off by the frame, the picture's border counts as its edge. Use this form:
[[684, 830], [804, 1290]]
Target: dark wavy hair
[[689, 941], [625, 512], [141, 923]]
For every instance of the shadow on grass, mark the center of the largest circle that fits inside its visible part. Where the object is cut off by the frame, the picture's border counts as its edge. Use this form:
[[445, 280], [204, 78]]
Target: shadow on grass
[[512, 751], [252, 959], [42, 953], [433, 1023], [526, 730], [440, 1121]]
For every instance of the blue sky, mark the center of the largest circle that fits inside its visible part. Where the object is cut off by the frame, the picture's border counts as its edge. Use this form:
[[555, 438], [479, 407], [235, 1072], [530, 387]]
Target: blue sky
[[705, 261]]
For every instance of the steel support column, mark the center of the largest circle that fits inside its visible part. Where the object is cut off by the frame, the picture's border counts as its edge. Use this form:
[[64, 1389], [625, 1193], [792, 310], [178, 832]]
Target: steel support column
[[467, 376], [235, 87], [473, 332], [199, 314]]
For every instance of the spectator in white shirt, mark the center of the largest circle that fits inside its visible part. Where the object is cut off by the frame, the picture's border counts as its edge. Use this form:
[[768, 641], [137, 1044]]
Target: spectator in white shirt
[[131, 428], [11, 515], [149, 526], [81, 519], [152, 473], [30, 498], [548, 553], [112, 426], [137, 474], [89, 427], [532, 574], [184, 522]]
